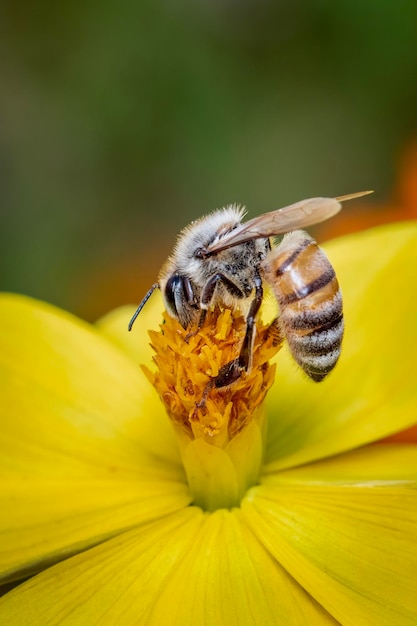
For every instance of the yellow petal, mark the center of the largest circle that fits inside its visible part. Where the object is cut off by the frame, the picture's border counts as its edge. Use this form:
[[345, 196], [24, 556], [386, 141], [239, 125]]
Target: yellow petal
[[372, 391], [84, 448], [44, 521], [373, 465], [349, 537], [189, 569]]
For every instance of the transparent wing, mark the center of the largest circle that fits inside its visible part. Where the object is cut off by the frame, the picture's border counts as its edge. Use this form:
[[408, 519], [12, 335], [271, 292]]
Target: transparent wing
[[298, 215]]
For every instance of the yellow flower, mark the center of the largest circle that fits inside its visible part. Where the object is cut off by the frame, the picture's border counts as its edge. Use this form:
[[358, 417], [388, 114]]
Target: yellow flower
[[94, 498]]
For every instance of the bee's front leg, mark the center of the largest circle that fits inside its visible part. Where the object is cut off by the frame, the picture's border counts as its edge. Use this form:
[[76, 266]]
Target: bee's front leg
[[207, 296], [201, 319], [233, 370]]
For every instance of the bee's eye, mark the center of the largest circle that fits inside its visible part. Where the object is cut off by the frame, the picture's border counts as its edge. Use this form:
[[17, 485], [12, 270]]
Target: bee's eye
[[172, 288]]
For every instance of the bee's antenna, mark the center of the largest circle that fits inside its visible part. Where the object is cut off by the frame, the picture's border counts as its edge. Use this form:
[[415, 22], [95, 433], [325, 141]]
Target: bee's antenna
[[142, 304]]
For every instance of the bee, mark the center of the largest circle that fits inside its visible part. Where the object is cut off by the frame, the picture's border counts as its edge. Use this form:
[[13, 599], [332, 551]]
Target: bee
[[222, 260]]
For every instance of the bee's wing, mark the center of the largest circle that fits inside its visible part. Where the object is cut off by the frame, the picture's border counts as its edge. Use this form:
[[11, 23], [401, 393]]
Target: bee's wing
[[298, 215]]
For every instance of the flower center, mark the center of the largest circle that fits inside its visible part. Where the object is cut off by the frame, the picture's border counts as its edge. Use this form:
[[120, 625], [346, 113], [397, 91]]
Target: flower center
[[215, 425]]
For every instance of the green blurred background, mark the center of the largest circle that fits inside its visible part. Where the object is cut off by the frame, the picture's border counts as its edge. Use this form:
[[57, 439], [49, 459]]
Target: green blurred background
[[121, 122]]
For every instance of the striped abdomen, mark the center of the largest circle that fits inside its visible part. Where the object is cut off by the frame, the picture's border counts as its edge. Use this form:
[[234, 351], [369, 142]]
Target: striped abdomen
[[306, 287]]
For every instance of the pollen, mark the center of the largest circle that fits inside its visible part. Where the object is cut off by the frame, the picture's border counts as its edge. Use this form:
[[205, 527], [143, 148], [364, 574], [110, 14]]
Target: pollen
[[187, 364]]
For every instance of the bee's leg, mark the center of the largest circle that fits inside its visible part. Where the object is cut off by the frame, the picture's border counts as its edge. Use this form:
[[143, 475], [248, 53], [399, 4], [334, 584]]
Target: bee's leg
[[201, 319], [232, 371], [189, 293], [227, 375], [210, 286], [245, 356], [207, 296]]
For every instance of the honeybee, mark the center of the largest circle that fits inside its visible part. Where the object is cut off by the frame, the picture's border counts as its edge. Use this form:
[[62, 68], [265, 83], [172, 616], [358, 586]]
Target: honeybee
[[221, 260]]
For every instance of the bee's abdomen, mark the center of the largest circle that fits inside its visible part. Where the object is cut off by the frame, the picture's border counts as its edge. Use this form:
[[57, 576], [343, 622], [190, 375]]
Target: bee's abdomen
[[315, 343], [310, 300]]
